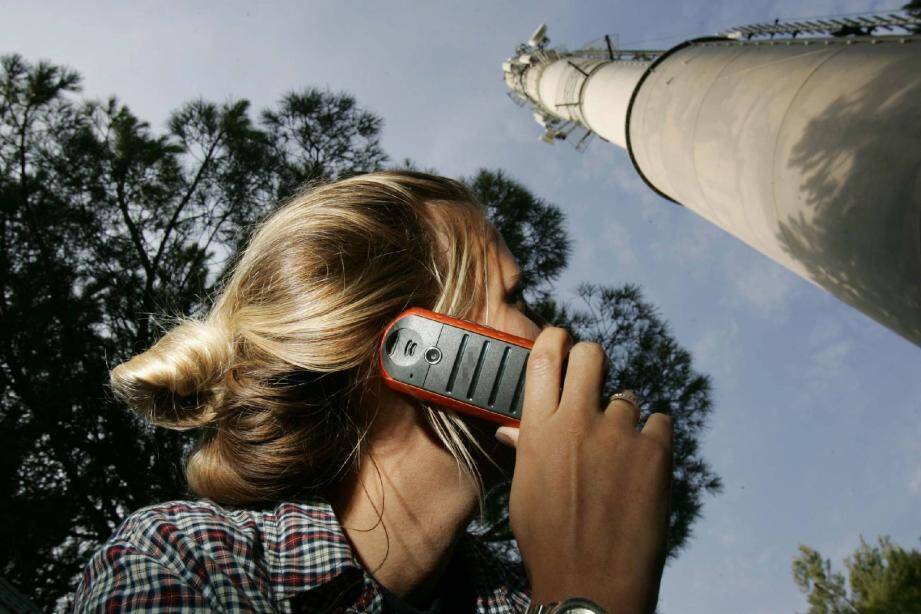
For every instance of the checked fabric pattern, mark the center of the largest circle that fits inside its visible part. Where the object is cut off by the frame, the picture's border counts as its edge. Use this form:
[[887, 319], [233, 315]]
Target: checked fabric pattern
[[182, 556]]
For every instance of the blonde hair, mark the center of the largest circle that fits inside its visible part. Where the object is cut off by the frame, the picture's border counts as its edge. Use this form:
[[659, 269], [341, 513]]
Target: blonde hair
[[269, 372]]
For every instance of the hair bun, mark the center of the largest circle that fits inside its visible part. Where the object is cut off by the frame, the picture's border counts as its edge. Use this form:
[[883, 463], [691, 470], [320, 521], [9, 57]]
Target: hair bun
[[172, 383]]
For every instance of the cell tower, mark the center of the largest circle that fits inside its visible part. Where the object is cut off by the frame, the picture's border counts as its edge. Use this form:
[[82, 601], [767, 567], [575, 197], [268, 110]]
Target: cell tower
[[801, 138]]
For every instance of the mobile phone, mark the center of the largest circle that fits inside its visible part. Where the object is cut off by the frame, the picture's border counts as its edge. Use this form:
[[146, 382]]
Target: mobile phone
[[455, 363]]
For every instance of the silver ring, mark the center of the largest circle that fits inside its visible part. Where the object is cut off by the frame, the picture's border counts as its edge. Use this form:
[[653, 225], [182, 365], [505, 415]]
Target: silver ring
[[626, 395]]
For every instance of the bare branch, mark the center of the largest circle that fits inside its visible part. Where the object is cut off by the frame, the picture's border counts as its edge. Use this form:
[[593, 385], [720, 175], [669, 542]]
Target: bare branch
[[170, 226]]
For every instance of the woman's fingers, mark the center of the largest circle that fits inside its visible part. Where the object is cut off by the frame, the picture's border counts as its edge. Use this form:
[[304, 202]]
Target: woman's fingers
[[543, 377], [508, 435], [659, 427], [584, 380], [624, 412]]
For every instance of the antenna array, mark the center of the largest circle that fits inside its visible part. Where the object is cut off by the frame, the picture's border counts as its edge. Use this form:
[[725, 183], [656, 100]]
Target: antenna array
[[892, 23]]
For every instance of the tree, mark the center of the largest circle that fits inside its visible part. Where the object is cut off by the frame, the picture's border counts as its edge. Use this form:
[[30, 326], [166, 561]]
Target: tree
[[913, 8], [103, 225], [882, 579], [644, 356]]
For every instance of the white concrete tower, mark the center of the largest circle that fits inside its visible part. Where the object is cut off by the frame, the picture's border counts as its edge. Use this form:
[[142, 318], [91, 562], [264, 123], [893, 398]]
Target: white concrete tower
[[806, 148]]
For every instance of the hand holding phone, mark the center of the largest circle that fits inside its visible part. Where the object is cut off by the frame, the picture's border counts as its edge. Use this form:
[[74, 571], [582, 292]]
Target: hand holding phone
[[589, 500], [589, 504]]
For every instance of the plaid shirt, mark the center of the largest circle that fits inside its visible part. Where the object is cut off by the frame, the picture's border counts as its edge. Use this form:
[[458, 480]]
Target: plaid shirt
[[196, 555]]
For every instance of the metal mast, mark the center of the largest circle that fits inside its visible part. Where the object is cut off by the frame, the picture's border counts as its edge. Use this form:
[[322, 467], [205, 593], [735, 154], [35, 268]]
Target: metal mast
[[807, 149]]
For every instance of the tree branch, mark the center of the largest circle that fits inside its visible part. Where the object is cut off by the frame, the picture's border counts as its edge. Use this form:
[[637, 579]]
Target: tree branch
[[136, 237], [187, 198]]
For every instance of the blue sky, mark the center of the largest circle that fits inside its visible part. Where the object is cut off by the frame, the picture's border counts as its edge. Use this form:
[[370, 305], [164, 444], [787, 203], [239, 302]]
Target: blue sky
[[816, 429]]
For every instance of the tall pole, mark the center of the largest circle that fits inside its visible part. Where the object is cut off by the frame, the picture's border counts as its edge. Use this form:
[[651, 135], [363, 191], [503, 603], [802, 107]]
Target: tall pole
[[806, 149]]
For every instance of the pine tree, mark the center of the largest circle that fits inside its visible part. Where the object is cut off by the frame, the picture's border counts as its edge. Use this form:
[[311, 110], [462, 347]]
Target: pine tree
[[882, 579], [104, 226]]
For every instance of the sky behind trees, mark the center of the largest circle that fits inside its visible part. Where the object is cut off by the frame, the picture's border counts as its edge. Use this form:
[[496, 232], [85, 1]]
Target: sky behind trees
[[816, 429]]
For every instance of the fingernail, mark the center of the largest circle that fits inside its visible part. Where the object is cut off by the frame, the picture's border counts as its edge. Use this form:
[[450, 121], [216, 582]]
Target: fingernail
[[503, 436]]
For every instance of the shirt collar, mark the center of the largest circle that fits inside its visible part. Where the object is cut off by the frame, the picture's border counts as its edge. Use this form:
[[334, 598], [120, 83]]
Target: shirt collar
[[314, 550], [317, 562]]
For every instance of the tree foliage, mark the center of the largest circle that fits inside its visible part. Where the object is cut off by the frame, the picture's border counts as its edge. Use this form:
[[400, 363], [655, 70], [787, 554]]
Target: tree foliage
[[913, 8], [884, 578], [105, 223]]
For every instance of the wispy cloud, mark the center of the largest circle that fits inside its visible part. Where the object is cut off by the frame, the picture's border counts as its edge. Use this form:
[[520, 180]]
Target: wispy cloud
[[826, 372], [718, 351], [914, 483], [758, 282], [691, 245]]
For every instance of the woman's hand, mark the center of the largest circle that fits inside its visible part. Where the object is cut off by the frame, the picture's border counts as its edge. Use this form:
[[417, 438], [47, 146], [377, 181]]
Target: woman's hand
[[589, 499]]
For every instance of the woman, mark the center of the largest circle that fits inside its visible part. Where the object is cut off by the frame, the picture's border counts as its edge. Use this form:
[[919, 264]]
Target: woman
[[319, 489]]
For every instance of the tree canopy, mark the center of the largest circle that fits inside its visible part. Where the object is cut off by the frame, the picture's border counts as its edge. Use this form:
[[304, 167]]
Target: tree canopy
[[883, 578]]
